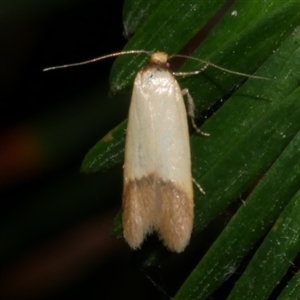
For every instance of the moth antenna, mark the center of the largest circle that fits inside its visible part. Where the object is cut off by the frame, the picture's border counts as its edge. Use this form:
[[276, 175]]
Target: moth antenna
[[216, 66], [97, 59]]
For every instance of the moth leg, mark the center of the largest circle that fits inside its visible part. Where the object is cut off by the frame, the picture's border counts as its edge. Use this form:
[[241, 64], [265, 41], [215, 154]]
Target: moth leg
[[198, 186], [191, 110]]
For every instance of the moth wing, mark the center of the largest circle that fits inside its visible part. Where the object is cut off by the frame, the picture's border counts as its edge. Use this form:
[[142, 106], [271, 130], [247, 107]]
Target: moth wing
[[158, 192]]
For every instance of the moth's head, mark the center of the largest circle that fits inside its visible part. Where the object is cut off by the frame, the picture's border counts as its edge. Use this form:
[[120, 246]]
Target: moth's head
[[159, 58]]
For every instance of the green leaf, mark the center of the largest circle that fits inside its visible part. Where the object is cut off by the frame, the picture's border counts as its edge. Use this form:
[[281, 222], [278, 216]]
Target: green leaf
[[247, 135], [279, 248], [255, 134], [292, 290], [100, 156], [134, 16]]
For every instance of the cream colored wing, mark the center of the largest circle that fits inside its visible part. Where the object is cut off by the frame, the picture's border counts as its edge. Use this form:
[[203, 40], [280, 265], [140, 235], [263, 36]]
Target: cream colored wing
[[158, 192]]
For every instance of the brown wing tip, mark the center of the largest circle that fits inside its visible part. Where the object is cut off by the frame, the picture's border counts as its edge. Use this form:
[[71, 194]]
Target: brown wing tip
[[168, 210], [139, 210], [176, 216]]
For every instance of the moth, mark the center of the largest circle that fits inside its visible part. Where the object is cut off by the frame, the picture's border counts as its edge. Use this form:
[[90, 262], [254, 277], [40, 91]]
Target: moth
[[158, 183]]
